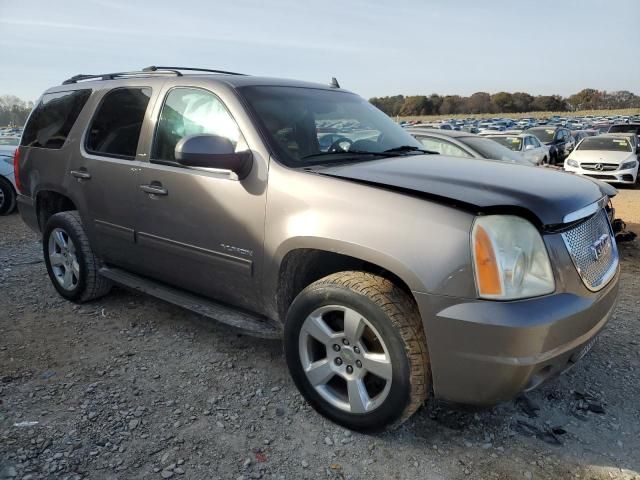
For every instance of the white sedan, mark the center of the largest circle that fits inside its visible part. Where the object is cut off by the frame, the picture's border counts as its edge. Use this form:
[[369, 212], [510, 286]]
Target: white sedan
[[525, 145], [8, 146], [610, 157]]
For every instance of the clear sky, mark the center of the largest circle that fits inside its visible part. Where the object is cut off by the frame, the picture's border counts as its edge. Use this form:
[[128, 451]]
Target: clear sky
[[373, 47]]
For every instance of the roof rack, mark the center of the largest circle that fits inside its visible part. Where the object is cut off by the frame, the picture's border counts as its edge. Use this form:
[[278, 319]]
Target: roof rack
[[110, 76], [154, 68]]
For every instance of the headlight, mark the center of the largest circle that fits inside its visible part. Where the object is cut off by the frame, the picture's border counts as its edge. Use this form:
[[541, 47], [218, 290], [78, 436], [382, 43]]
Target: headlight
[[572, 163], [510, 259], [628, 165]]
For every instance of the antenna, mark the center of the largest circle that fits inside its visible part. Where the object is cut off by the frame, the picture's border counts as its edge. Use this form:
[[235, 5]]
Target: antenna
[[334, 83]]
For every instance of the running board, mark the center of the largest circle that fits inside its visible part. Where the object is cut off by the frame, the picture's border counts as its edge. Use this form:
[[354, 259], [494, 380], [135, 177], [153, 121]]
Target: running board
[[251, 324]]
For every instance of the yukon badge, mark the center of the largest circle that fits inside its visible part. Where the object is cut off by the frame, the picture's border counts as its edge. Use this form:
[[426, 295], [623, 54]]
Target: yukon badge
[[600, 246]]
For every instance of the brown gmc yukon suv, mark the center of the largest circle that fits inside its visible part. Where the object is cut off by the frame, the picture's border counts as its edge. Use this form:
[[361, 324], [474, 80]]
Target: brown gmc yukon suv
[[297, 210]]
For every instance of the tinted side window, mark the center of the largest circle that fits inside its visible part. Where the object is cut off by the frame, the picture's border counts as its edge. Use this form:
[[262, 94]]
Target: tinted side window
[[52, 119], [116, 126], [192, 111]]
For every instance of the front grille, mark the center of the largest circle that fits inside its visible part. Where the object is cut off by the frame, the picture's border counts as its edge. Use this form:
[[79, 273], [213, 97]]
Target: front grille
[[593, 249], [604, 167], [602, 177]]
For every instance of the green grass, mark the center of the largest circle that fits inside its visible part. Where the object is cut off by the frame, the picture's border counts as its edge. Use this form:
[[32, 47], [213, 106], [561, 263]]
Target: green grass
[[580, 113]]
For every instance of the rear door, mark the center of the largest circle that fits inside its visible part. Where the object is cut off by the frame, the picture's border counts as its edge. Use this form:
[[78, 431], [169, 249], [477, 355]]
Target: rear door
[[200, 229], [104, 174]]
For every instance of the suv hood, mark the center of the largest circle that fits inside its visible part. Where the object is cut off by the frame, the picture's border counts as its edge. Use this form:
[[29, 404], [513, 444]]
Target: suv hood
[[481, 185]]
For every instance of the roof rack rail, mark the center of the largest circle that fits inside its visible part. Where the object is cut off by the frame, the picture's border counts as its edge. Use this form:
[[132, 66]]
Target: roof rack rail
[[154, 68], [111, 76]]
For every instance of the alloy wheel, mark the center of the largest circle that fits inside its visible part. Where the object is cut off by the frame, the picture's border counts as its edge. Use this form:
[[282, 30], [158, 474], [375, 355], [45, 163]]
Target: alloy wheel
[[63, 259], [345, 359]]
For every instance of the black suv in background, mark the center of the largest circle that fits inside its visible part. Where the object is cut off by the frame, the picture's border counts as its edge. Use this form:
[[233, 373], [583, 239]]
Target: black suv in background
[[626, 128], [558, 139]]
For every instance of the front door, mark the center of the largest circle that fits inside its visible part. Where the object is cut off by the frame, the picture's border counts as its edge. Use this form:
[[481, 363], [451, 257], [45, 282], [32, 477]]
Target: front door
[[200, 229]]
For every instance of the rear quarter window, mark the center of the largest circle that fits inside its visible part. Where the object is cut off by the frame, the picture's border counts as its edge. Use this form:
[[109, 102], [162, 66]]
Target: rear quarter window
[[52, 119]]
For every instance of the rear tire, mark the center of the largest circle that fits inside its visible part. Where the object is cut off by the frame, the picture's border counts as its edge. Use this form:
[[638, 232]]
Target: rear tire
[[7, 197], [356, 350], [545, 160], [71, 263]]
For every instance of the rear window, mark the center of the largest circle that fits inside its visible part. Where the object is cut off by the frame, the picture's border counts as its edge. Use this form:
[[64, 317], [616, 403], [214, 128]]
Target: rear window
[[492, 150], [512, 143], [545, 135], [51, 121], [115, 129]]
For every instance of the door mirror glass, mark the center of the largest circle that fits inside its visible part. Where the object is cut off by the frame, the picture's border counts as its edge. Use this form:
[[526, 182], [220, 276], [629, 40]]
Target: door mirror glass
[[212, 151]]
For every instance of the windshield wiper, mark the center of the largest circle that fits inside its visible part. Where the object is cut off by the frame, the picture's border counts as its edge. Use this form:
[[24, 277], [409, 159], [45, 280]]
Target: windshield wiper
[[349, 153], [409, 148]]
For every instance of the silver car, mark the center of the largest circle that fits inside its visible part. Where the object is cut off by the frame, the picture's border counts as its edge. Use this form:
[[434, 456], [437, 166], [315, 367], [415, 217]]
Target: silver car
[[527, 146], [8, 146]]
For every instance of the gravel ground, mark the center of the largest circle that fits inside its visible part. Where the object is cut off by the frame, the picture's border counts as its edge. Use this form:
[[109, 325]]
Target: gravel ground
[[130, 387]]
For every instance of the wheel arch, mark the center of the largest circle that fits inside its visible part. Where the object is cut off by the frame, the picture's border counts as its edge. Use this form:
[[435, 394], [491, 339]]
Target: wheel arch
[[303, 265], [48, 202]]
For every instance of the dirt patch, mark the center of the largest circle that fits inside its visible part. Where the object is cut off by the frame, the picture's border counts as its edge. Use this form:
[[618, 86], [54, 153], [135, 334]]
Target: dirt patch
[[130, 387]]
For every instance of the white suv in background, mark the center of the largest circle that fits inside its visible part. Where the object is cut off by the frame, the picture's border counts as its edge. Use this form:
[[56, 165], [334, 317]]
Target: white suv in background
[[612, 157]]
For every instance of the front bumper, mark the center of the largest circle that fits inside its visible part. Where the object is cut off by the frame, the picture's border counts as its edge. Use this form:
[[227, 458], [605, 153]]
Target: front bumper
[[485, 352], [628, 176]]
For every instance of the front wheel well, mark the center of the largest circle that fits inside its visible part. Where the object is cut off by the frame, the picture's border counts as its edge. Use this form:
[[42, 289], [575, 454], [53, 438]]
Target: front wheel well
[[302, 267], [49, 203]]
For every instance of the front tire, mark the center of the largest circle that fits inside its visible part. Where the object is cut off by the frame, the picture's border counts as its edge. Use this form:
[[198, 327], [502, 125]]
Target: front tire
[[7, 197], [71, 263], [356, 350]]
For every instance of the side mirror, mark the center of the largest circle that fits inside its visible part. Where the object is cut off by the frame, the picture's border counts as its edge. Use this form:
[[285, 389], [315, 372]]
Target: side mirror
[[529, 147], [212, 151]]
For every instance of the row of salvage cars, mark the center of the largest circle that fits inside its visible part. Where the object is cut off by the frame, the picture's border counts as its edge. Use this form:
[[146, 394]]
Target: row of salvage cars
[[610, 157]]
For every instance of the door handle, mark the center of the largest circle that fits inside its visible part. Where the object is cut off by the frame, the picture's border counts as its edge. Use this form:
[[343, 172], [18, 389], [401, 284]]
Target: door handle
[[154, 189], [82, 174]]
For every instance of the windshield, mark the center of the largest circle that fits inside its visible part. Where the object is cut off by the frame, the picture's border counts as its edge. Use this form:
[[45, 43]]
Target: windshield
[[604, 143], [309, 126], [545, 135], [512, 143], [492, 150], [13, 141]]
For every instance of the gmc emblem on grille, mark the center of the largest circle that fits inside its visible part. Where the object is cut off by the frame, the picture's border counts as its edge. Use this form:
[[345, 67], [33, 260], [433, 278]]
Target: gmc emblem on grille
[[600, 246]]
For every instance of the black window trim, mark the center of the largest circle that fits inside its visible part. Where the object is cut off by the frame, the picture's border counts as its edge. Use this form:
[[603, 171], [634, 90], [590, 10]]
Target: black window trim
[[85, 139], [173, 163], [75, 122]]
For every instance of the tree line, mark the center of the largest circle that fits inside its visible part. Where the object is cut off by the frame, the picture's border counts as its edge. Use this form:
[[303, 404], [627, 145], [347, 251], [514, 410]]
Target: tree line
[[13, 111], [504, 102]]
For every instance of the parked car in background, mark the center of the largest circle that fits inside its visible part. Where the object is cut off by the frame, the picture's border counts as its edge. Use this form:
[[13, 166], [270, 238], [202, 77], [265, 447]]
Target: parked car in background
[[463, 144], [580, 134], [625, 128], [558, 139], [524, 144], [8, 145], [612, 157]]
